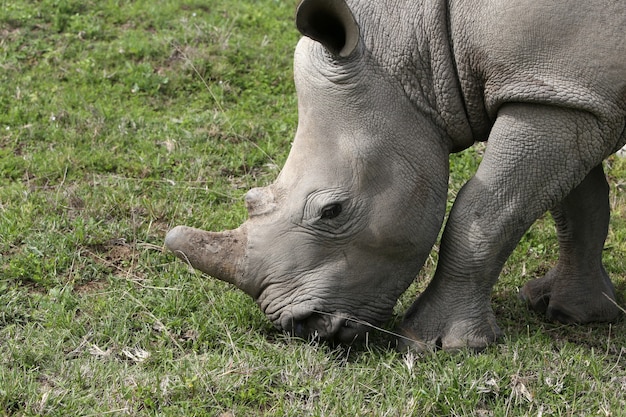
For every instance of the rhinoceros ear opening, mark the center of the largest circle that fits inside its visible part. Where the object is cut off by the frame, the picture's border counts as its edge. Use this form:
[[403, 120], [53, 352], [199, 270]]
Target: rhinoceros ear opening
[[329, 22]]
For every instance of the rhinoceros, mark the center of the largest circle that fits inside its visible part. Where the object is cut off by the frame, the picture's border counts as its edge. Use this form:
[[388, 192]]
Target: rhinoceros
[[386, 90]]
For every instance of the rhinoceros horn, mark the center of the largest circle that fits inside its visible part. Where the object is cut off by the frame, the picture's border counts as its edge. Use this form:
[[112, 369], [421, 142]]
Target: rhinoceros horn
[[219, 255]]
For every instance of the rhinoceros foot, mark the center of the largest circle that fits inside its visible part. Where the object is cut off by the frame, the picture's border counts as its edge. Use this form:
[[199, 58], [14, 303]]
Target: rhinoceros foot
[[429, 325], [571, 297]]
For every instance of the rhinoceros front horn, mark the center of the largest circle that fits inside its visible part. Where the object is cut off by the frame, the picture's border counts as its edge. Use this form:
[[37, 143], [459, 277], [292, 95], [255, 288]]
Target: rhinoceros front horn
[[219, 255]]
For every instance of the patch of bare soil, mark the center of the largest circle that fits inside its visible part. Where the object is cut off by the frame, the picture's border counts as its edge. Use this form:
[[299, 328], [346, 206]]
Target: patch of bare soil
[[116, 255], [90, 287]]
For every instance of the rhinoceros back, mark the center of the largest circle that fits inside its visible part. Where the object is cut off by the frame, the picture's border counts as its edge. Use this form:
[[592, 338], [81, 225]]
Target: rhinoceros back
[[571, 54]]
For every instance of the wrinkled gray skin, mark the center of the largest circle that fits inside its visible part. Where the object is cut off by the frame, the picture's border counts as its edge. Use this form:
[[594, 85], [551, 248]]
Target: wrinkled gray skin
[[387, 90]]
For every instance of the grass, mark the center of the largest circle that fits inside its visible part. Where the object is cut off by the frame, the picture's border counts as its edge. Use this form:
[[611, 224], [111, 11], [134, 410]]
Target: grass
[[119, 120]]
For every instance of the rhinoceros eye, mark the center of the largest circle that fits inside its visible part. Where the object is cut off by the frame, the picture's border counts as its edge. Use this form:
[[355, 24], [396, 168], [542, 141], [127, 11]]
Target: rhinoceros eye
[[331, 211]]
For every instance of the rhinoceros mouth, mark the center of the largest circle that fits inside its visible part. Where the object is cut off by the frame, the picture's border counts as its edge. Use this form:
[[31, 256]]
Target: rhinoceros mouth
[[327, 326]]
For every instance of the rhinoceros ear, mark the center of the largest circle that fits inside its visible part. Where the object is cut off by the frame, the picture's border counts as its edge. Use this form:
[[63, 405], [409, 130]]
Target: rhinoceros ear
[[329, 22]]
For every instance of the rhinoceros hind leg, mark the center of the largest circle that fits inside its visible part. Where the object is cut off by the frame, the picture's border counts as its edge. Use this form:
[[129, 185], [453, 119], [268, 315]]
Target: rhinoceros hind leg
[[578, 289]]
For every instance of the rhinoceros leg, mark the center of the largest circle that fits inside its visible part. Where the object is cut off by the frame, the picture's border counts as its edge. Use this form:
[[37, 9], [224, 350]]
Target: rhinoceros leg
[[578, 289], [536, 156]]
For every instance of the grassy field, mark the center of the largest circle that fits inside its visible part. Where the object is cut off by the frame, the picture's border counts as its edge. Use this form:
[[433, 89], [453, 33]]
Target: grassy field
[[121, 119]]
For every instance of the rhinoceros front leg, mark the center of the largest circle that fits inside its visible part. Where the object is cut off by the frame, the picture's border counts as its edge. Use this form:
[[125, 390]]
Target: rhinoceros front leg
[[536, 155], [578, 289]]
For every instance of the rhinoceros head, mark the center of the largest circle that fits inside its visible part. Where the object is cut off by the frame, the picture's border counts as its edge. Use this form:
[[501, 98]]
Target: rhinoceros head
[[329, 247]]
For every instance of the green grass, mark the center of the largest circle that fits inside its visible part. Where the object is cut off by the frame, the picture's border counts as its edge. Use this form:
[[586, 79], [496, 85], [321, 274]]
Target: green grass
[[120, 119]]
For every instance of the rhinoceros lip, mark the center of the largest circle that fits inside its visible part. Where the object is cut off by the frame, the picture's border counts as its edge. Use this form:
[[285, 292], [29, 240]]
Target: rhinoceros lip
[[327, 326]]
